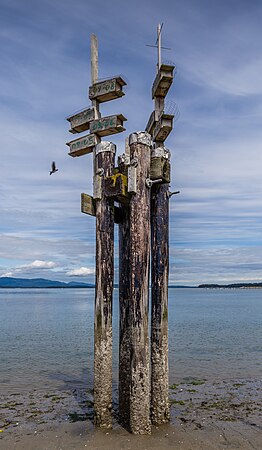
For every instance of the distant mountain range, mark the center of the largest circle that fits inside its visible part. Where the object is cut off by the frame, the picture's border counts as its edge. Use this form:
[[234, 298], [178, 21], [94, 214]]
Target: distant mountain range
[[231, 286], [9, 282]]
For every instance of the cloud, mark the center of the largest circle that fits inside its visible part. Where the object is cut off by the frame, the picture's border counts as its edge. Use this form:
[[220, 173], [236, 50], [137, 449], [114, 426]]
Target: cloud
[[81, 272], [37, 264], [6, 274]]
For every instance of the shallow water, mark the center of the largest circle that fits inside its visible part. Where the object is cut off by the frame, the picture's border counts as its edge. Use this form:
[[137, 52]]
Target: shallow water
[[46, 336]]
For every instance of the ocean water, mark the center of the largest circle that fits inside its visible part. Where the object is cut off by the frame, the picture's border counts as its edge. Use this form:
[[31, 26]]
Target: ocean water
[[46, 336]]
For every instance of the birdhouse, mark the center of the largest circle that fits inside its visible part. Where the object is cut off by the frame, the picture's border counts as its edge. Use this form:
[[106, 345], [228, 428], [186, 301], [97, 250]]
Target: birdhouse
[[108, 125], [163, 127], [82, 146], [116, 188], [103, 91], [163, 81], [80, 122], [160, 164]]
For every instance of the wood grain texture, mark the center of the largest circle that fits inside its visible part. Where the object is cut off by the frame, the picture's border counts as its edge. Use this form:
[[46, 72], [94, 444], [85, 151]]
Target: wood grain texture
[[103, 298], [139, 288], [159, 298], [124, 318]]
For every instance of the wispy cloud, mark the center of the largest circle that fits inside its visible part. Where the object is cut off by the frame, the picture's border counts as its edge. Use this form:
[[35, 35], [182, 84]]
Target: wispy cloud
[[80, 272]]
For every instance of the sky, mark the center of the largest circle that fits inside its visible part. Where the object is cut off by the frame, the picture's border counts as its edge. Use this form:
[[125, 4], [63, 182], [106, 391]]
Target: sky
[[216, 144]]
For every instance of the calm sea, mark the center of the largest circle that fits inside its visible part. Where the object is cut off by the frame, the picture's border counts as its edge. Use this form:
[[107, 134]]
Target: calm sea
[[46, 336]]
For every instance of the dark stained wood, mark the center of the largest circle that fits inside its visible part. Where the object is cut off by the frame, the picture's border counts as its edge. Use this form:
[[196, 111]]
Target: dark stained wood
[[159, 296], [139, 287], [124, 318], [103, 297]]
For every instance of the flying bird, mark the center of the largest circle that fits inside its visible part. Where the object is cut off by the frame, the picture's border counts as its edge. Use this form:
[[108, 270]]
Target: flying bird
[[54, 169]]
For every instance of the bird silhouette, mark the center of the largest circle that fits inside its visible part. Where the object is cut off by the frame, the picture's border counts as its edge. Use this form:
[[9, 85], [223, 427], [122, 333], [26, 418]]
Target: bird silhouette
[[53, 169]]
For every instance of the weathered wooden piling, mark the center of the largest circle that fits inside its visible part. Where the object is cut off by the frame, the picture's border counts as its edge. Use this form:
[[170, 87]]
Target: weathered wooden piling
[[159, 303], [140, 146], [103, 166], [124, 317], [159, 126], [140, 184]]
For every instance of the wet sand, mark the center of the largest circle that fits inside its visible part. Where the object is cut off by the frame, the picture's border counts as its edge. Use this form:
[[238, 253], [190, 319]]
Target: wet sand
[[204, 415]]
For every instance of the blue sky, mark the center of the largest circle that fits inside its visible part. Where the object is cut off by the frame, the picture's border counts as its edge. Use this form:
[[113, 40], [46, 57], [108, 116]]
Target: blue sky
[[216, 145]]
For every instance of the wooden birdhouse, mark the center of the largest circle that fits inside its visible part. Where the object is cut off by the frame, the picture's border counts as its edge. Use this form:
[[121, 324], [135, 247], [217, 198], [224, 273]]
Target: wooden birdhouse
[[116, 188], [103, 91], [163, 127], [160, 164], [80, 121], [163, 81], [83, 145], [108, 125]]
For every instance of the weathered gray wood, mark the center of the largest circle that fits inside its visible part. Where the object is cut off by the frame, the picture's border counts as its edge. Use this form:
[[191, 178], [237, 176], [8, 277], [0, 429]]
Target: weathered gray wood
[[104, 91], [106, 126], [160, 164], [140, 144], [104, 292], [163, 81], [88, 205], [81, 120], [163, 127], [94, 72], [94, 59], [159, 294], [124, 318], [151, 123], [83, 145]]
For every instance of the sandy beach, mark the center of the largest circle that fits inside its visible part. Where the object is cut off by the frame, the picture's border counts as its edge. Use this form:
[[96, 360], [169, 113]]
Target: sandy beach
[[204, 415]]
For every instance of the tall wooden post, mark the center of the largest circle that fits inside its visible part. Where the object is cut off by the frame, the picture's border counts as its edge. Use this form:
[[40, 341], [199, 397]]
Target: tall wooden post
[[124, 317], [159, 295], [103, 166], [140, 145], [159, 126]]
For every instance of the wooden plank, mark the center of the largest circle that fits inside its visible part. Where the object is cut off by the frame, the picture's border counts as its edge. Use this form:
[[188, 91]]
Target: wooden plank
[[94, 58], [88, 205], [163, 127], [81, 121], [104, 91], [106, 126], [163, 81], [151, 123], [83, 145]]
